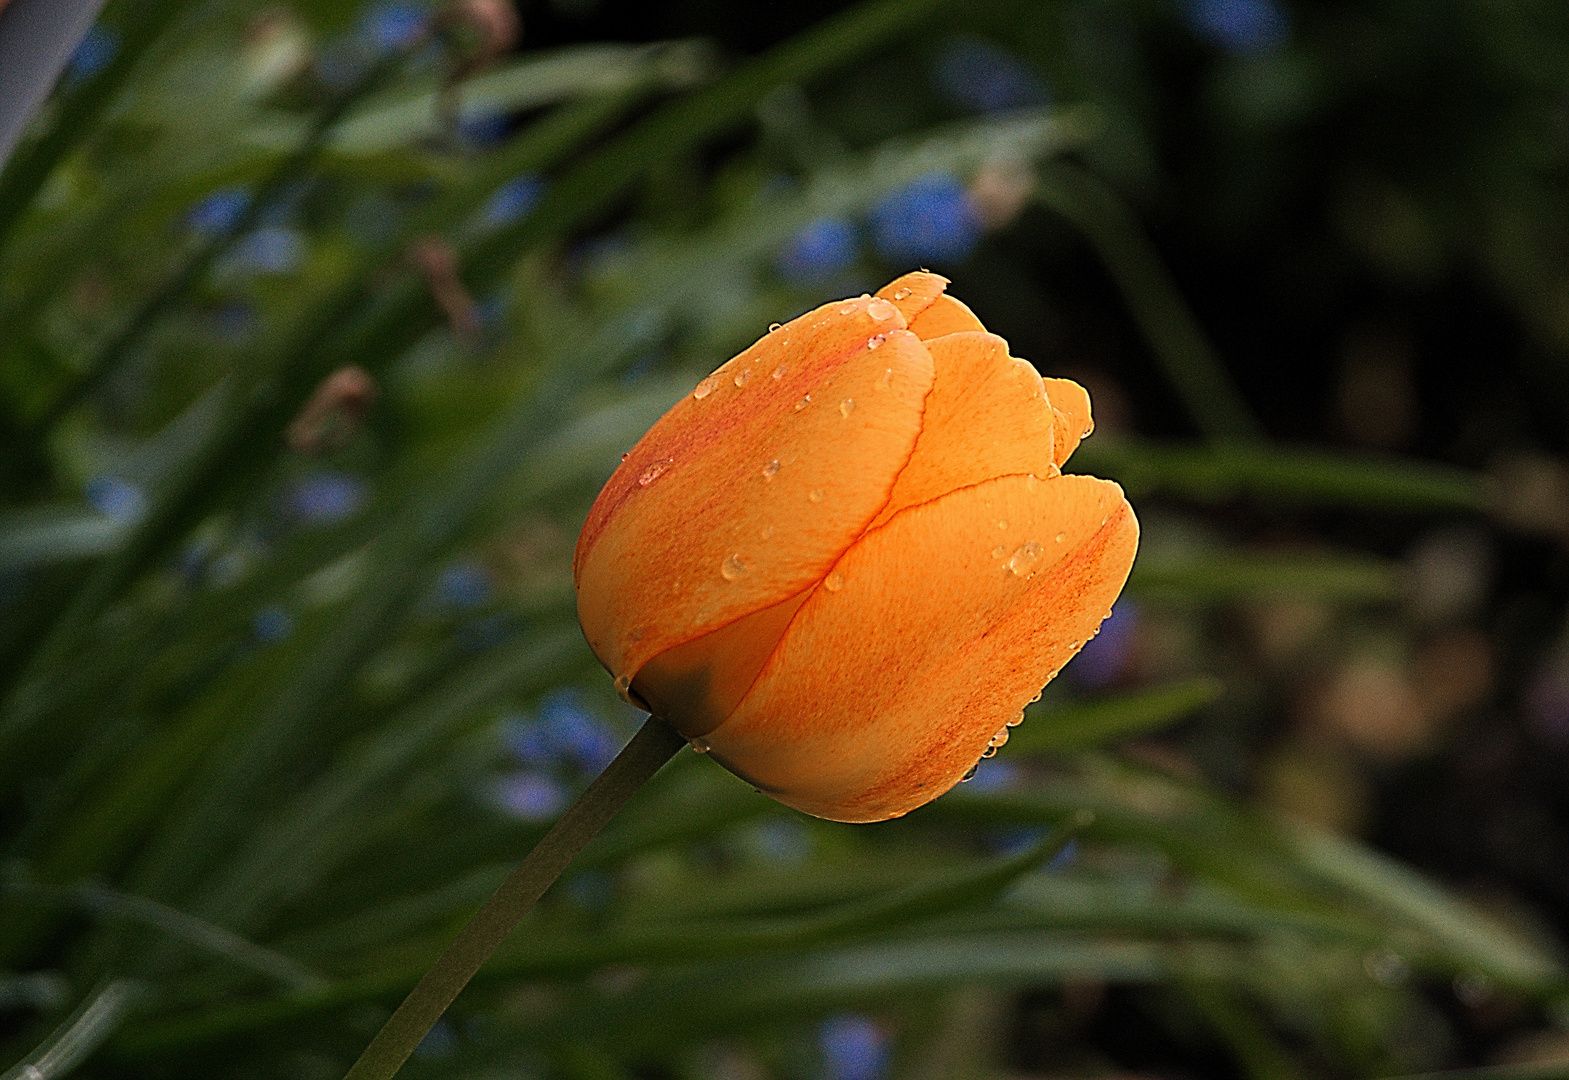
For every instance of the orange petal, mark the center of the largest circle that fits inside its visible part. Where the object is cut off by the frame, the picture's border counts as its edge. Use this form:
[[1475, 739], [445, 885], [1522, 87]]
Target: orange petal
[[925, 640], [987, 416], [749, 488], [930, 313], [1071, 403]]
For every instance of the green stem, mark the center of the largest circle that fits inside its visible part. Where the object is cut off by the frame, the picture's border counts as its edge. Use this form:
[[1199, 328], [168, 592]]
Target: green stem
[[654, 744]]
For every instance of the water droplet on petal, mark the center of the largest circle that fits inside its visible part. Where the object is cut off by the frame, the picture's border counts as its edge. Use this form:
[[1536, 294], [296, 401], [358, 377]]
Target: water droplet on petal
[[1025, 558], [999, 551], [847, 406], [1002, 524], [743, 377], [803, 403], [999, 739], [779, 371], [704, 388], [817, 495], [1062, 537], [875, 340], [971, 774], [770, 470], [900, 294], [699, 745], [774, 326], [1017, 720], [623, 683], [845, 309], [834, 581], [886, 381], [652, 473], [990, 751], [881, 309], [625, 456], [732, 568]]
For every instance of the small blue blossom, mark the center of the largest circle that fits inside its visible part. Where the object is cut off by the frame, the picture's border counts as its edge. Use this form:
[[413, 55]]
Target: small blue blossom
[[1064, 858], [972, 73], [234, 321], [272, 624], [1106, 656], [1241, 27], [393, 24], [441, 1041], [218, 212], [1015, 841], [464, 585], [93, 54], [822, 249], [484, 129], [112, 496], [529, 740], [994, 776], [268, 250], [782, 840], [578, 733], [531, 796], [325, 498], [511, 201], [930, 220], [853, 1047]]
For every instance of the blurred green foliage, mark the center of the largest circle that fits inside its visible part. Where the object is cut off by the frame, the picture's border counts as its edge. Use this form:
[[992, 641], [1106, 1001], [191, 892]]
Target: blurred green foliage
[[318, 344]]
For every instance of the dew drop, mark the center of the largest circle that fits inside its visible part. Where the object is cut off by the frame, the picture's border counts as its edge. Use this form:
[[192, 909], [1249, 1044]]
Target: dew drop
[[779, 371], [704, 388], [803, 403], [817, 495], [846, 407], [881, 309], [1025, 558], [774, 326], [652, 473], [1062, 538], [743, 377], [846, 309], [967, 777], [999, 739], [699, 745], [770, 470], [732, 568], [1017, 720], [876, 340], [623, 683], [834, 581], [900, 294], [1002, 524], [990, 751], [625, 456], [886, 381]]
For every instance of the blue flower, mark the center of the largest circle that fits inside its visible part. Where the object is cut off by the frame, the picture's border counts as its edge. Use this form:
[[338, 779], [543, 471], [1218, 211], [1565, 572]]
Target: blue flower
[[931, 219], [441, 1041], [511, 201], [853, 1047], [1015, 841], [219, 211], [1106, 656], [994, 776], [115, 498], [268, 250], [484, 129], [272, 624], [972, 73], [577, 732], [1241, 27], [393, 24], [326, 498], [818, 252], [531, 796], [464, 585], [93, 54]]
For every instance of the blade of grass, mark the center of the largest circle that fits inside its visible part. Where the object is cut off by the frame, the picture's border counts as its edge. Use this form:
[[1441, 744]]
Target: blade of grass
[[1114, 716], [1184, 351]]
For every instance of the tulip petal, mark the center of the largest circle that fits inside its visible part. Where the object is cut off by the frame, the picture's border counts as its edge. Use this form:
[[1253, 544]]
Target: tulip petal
[[747, 490], [929, 635], [1071, 403], [930, 313], [987, 415]]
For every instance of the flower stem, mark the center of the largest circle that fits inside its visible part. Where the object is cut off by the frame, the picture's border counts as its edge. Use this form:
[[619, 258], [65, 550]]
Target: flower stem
[[654, 744]]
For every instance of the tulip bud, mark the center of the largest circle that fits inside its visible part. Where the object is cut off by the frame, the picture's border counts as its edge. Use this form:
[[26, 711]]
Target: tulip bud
[[849, 558]]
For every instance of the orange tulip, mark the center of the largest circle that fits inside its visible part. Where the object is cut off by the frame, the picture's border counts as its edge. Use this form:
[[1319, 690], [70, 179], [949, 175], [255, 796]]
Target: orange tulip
[[846, 562]]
